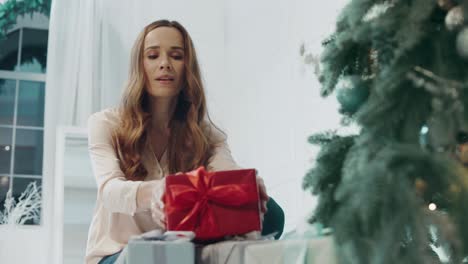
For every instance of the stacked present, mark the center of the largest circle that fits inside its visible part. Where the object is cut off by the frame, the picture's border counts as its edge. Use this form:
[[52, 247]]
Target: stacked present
[[216, 205], [319, 250]]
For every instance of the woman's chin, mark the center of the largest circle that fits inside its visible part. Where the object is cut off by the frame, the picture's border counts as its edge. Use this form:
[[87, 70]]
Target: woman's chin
[[164, 91]]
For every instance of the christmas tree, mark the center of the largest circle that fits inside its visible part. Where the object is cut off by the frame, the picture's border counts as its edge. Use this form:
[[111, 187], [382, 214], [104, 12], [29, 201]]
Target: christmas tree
[[396, 192]]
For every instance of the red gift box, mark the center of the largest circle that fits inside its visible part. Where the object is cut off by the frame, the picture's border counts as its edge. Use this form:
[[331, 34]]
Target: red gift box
[[213, 204]]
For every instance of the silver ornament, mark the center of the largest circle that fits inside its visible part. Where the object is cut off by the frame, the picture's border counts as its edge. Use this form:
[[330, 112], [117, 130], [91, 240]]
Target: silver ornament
[[438, 134], [454, 18], [462, 43]]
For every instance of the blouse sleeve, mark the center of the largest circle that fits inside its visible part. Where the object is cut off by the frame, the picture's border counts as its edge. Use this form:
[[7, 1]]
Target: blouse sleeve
[[116, 193], [221, 158]]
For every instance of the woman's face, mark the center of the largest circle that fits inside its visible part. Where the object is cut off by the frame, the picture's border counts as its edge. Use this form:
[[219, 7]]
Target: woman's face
[[163, 61]]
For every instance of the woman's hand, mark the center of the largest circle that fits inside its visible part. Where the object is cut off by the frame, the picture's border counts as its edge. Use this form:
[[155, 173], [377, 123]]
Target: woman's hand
[[157, 204], [263, 194]]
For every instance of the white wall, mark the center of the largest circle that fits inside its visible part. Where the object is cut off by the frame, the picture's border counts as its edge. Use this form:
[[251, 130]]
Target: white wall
[[270, 101]]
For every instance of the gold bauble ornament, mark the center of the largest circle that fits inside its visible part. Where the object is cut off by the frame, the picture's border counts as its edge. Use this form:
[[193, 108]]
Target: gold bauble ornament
[[462, 153], [420, 186]]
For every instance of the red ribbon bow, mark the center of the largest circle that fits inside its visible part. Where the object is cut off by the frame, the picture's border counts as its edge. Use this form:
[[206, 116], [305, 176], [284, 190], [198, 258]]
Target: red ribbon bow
[[201, 194]]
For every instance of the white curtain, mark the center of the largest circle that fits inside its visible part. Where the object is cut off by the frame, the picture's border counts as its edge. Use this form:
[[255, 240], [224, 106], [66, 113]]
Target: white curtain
[[73, 60]]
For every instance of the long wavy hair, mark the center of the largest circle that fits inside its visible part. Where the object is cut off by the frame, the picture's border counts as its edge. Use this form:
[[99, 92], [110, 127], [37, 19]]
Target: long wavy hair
[[189, 145]]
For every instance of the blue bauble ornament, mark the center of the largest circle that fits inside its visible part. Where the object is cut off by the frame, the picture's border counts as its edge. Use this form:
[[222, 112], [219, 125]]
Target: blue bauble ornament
[[352, 93]]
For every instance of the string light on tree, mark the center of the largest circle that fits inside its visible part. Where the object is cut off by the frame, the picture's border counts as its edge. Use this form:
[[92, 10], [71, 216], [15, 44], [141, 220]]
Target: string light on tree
[[432, 206], [4, 181]]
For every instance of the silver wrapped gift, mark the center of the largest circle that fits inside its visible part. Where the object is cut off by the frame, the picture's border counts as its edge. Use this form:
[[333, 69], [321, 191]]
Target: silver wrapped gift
[[141, 251]]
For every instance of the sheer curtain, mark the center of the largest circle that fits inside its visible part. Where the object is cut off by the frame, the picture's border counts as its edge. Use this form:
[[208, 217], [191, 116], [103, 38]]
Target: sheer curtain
[[71, 94]]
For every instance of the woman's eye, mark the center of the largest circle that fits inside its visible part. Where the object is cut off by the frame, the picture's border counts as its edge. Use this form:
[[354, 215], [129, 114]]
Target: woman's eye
[[178, 57], [152, 57]]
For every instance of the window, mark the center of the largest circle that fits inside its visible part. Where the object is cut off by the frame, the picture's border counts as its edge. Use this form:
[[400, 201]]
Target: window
[[23, 56]]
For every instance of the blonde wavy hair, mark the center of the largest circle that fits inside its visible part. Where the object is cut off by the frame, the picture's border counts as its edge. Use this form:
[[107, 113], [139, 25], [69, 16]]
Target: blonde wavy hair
[[189, 145]]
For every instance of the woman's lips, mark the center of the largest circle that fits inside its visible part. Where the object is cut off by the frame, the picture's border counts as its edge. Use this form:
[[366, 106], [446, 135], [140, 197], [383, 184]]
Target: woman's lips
[[165, 81]]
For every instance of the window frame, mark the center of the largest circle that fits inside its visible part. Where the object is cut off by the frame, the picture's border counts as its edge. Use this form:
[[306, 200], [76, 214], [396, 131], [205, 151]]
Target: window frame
[[19, 76]]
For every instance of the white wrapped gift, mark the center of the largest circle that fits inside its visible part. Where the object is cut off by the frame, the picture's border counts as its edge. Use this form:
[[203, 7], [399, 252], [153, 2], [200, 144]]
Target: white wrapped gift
[[319, 250], [225, 252]]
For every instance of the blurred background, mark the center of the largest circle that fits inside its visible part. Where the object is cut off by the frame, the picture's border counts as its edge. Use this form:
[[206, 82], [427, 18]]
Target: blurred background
[[60, 61]]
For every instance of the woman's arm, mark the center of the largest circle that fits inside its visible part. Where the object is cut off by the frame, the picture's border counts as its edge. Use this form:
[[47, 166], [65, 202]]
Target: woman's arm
[[221, 158], [117, 194]]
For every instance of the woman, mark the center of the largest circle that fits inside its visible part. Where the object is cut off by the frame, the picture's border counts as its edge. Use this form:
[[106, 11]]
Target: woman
[[160, 128]]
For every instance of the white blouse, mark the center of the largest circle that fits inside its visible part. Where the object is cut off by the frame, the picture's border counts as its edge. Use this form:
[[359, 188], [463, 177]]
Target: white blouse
[[116, 215]]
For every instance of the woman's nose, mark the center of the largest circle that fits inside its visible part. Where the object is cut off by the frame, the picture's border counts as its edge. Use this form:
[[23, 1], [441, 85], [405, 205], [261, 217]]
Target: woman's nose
[[165, 66], [164, 63]]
